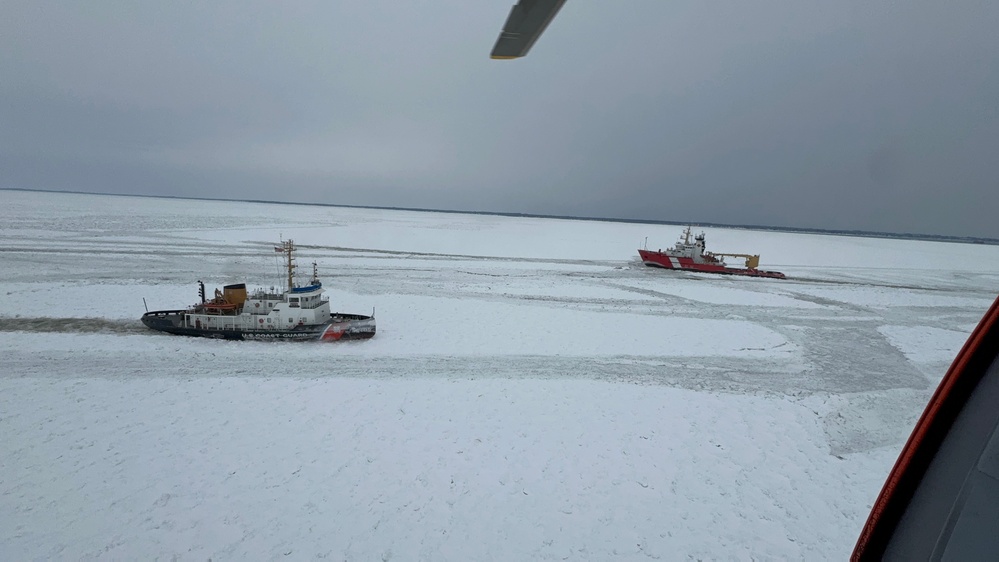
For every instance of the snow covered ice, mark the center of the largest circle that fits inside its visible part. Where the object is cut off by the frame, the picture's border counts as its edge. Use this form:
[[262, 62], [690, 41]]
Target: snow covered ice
[[533, 391]]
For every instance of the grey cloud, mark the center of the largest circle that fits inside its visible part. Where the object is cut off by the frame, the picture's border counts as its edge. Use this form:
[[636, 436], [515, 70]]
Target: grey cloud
[[831, 115]]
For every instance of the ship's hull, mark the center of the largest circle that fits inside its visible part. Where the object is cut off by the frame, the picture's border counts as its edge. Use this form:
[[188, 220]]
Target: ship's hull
[[666, 261], [339, 327]]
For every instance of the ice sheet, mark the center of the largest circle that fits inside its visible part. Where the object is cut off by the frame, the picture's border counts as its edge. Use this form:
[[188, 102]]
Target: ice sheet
[[532, 392]]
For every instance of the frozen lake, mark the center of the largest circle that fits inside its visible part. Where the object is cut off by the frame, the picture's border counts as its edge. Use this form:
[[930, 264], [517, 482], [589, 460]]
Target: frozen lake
[[534, 391]]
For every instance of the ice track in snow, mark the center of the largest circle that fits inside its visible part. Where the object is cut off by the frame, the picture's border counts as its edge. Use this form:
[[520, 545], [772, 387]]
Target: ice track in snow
[[533, 390]]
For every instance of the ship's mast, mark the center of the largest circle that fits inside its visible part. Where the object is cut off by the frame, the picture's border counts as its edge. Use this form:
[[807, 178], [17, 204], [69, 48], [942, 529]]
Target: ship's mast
[[288, 249]]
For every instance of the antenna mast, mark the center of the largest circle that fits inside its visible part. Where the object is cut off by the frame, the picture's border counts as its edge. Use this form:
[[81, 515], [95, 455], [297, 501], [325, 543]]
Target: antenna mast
[[288, 248]]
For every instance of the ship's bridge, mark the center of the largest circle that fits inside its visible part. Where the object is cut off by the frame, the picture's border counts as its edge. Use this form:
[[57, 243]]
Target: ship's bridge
[[306, 300]]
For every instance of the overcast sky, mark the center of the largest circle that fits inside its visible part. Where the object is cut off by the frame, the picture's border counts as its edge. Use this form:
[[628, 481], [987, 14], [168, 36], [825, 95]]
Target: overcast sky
[[853, 114]]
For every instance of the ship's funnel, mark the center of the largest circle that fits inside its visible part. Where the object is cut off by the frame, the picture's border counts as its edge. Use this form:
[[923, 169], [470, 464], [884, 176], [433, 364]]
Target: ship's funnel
[[235, 294]]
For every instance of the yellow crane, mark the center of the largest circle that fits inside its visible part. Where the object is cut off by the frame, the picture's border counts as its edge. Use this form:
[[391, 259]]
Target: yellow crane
[[752, 262]]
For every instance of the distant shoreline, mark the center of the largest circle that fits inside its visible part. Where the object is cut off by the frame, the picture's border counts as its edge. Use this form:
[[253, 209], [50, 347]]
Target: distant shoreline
[[831, 232]]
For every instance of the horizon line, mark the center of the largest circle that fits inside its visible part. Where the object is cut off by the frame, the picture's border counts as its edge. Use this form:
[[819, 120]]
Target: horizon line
[[790, 229]]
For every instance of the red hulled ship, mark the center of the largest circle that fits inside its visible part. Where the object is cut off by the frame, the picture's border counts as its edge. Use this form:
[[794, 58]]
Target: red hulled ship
[[690, 255]]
